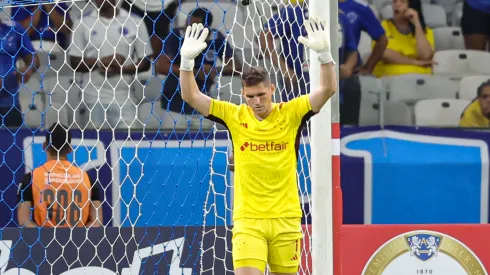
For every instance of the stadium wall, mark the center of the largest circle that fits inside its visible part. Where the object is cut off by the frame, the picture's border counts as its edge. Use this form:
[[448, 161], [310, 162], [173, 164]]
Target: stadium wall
[[366, 250], [403, 175]]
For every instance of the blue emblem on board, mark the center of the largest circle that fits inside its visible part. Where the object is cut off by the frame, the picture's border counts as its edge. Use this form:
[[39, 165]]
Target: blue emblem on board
[[424, 246]]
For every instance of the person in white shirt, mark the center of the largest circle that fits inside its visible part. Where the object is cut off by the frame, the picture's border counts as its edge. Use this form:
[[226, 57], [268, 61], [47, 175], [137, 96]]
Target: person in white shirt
[[158, 17], [109, 47]]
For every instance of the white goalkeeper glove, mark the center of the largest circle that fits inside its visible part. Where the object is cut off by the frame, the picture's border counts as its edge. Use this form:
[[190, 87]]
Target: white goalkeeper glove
[[318, 39], [194, 44]]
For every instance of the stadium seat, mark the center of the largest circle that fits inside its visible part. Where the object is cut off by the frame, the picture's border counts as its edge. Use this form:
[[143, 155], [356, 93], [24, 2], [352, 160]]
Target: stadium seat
[[457, 13], [469, 85], [375, 10], [435, 16], [149, 87], [62, 98], [380, 4], [230, 90], [32, 106], [448, 38], [364, 46], [365, 57], [448, 5], [154, 117], [460, 63], [372, 94], [396, 113], [412, 88], [439, 112]]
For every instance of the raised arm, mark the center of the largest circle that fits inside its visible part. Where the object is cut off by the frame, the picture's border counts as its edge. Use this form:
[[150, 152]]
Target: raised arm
[[194, 44], [424, 49], [319, 42]]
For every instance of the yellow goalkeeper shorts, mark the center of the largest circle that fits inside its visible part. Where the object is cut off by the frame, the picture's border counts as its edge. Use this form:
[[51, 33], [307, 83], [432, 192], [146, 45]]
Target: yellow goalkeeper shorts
[[276, 242]]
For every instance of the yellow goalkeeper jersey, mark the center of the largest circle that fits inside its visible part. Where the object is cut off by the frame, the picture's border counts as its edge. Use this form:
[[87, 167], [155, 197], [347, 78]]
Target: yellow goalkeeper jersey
[[266, 157]]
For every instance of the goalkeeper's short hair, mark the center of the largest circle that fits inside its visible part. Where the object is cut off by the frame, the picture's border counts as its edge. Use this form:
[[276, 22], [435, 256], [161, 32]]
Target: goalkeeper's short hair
[[58, 138], [254, 76]]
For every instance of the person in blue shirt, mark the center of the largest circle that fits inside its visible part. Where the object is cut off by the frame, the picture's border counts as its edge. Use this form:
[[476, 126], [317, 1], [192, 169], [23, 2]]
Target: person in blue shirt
[[362, 18], [475, 24], [348, 57], [169, 62], [287, 26], [45, 22], [15, 45], [350, 88]]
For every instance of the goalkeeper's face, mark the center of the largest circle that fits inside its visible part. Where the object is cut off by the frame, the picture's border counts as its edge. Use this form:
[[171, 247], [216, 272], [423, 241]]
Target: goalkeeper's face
[[259, 97]]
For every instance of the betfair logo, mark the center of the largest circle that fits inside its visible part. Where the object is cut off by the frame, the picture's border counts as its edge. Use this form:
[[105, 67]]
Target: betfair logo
[[264, 147]]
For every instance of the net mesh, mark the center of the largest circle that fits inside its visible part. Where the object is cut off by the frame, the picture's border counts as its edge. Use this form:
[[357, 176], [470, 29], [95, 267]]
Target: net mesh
[[162, 170]]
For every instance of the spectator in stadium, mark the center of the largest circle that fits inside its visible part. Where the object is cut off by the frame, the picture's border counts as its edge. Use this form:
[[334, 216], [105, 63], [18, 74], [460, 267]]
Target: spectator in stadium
[[50, 22], [58, 193], [350, 88], [158, 17], [15, 45], [292, 61], [362, 18], [286, 25], [169, 63], [410, 42], [281, 27], [109, 53], [475, 24], [477, 114]]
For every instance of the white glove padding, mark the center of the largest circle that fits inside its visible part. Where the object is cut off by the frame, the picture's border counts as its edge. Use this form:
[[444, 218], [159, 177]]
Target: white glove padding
[[318, 39], [194, 44]]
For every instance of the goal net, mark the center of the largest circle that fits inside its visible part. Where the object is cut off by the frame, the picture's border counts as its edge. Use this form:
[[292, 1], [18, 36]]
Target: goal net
[[108, 71]]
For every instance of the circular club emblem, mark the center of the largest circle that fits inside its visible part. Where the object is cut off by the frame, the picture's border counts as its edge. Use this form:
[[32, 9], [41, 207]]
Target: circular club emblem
[[423, 252]]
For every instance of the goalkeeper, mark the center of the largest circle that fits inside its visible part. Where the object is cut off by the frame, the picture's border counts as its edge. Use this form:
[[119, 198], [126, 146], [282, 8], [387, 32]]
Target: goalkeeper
[[267, 212]]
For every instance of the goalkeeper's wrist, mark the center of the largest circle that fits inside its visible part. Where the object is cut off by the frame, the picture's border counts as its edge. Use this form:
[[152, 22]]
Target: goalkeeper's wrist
[[186, 64], [325, 57]]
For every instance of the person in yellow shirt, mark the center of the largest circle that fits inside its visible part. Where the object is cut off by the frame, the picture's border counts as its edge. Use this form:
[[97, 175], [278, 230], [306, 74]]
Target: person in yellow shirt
[[410, 42], [266, 211], [477, 114]]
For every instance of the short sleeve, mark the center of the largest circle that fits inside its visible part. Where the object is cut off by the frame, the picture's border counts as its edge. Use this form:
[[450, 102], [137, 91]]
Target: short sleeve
[[371, 24], [24, 193], [142, 45], [350, 41], [299, 108], [392, 43], [78, 44], [221, 111], [430, 37]]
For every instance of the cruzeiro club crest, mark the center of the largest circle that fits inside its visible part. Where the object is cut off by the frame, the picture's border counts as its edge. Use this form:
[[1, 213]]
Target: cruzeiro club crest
[[424, 252], [423, 246]]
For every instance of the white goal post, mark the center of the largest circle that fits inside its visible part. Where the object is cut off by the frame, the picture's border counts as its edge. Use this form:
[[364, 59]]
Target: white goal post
[[323, 148]]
